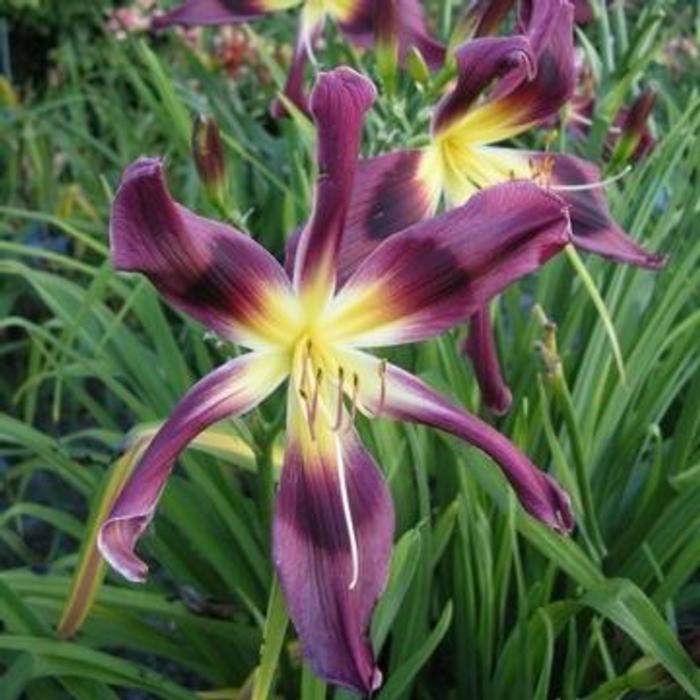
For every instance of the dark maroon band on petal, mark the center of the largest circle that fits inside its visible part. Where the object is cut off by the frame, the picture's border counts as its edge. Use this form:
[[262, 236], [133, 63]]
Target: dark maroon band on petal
[[593, 228], [339, 101], [479, 63], [232, 389], [196, 13], [549, 27], [312, 553], [434, 275], [407, 398], [214, 273], [480, 345], [388, 196]]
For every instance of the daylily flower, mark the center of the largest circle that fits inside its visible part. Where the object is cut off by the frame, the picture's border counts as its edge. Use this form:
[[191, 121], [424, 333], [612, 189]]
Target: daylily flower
[[356, 19], [333, 522], [534, 76]]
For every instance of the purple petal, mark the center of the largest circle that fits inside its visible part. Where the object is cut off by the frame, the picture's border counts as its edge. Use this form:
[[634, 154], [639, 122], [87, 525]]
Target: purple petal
[[405, 397], [210, 271], [432, 276], [388, 196], [480, 345], [479, 62], [313, 553], [196, 13], [339, 101], [232, 389], [550, 31], [593, 228]]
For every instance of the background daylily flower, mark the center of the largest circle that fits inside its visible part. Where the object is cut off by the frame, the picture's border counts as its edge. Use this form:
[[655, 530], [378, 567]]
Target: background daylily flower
[[333, 524], [357, 20], [534, 78]]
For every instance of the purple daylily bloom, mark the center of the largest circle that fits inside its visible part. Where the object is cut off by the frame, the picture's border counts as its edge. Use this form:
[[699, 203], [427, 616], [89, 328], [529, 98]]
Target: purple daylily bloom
[[333, 524], [357, 19], [526, 79]]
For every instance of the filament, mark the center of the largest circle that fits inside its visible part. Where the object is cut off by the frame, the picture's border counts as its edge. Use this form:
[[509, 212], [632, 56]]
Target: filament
[[354, 399], [592, 185], [347, 515], [339, 410], [313, 405]]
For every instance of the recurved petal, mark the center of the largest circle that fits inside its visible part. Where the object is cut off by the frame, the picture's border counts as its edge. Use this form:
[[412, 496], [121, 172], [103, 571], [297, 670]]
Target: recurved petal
[[232, 389], [211, 271], [195, 13], [480, 345], [517, 104], [479, 63], [333, 531], [593, 227], [386, 391], [434, 275], [338, 104]]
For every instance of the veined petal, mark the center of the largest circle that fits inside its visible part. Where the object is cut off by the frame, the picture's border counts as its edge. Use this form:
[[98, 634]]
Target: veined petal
[[577, 182], [517, 104], [333, 531], [392, 192], [195, 13], [479, 63], [339, 101], [231, 390], [434, 275], [214, 273], [386, 391], [480, 345]]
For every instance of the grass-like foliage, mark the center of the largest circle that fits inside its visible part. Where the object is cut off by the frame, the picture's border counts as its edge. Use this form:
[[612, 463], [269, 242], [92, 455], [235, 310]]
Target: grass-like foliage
[[482, 601]]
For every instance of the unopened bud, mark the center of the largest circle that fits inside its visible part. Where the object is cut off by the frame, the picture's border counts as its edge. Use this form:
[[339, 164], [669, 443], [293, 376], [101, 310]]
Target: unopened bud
[[635, 139], [208, 156], [416, 66], [386, 37]]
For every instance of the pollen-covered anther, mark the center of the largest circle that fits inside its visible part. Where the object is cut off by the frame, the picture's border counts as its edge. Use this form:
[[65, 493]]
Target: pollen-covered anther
[[543, 171]]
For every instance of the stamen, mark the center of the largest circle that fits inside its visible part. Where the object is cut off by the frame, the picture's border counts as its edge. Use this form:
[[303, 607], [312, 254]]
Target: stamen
[[339, 410], [313, 406], [592, 185], [353, 400], [305, 368], [347, 515]]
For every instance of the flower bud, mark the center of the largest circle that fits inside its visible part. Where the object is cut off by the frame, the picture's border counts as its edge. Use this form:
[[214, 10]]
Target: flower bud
[[635, 139], [208, 156], [386, 38], [416, 66]]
